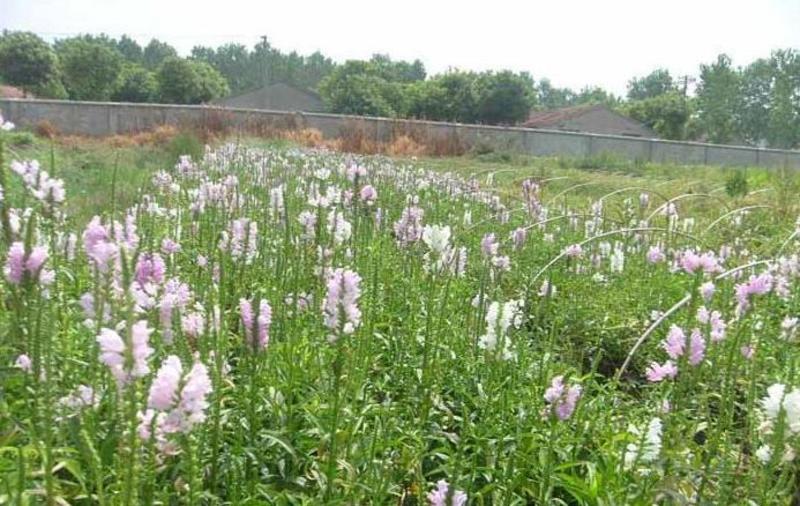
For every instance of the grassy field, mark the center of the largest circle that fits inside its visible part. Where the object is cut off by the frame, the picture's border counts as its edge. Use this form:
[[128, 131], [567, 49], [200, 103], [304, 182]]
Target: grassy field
[[264, 324]]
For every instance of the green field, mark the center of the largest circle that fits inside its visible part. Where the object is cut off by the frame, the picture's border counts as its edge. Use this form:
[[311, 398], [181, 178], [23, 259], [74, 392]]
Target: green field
[[266, 324]]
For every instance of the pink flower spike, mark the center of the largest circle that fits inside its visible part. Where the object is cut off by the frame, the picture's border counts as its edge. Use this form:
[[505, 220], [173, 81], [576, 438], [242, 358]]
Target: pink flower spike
[[658, 372], [675, 343], [697, 347], [562, 398], [24, 362], [15, 263], [164, 390]]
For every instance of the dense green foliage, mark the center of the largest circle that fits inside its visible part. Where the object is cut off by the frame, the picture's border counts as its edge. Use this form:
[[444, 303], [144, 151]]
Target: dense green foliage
[[27, 61], [381, 87], [136, 84], [667, 113], [189, 82], [90, 67]]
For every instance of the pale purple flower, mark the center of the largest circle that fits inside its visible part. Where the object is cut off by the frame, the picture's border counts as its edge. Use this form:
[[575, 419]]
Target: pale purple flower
[[169, 247], [36, 258], [518, 237], [24, 362], [150, 268], [246, 315], [562, 398], [259, 323], [112, 349], [308, 220], [194, 395], [241, 240], [125, 235], [140, 349], [176, 403], [176, 295], [747, 351], [440, 495], [718, 326], [354, 172], [573, 251], [408, 229], [707, 262], [756, 285], [697, 347], [675, 343], [707, 290], [164, 389], [658, 372], [340, 307], [84, 396], [193, 324], [368, 195], [15, 263], [489, 245], [98, 245], [263, 322]]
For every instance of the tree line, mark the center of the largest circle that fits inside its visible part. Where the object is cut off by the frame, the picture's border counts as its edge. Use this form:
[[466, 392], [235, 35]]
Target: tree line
[[758, 104]]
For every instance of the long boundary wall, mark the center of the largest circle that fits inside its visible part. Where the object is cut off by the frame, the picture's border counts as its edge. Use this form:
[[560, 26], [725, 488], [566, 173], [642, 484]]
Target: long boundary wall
[[108, 118]]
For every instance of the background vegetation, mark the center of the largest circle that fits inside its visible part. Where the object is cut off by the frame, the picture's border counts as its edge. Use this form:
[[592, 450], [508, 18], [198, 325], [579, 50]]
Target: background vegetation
[[756, 104]]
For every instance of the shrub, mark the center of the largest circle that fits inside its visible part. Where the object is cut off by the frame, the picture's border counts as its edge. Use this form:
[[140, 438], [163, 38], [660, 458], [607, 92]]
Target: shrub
[[736, 184]]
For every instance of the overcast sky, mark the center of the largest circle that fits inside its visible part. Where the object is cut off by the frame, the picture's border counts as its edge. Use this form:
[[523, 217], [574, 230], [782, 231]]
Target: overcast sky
[[573, 42]]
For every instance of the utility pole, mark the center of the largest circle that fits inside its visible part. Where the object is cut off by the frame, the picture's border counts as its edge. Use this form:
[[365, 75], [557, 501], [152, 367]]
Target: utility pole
[[265, 60], [686, 79]]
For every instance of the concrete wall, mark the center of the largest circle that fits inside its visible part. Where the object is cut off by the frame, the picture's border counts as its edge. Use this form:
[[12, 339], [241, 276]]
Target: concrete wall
[[102, 118]]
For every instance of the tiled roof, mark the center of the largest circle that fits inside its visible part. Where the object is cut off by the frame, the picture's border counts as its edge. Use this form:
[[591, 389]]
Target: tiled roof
[[552, 118]]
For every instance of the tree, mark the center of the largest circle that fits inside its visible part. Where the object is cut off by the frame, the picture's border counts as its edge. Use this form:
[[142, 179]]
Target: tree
[[156, 52], [189, 82], [783, 124], [753, 101], [594, 95], [446, 97], [137, 84], [90, 67], [130, 50], [232, 61], [354, 88], [397, 71], [27, 61], [657, 82], [717, 95], [210, 83], [550, 97], [667, 113], [504, 98]]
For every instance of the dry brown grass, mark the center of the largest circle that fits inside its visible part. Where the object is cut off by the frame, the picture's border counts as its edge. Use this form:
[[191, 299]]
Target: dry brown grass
[[46, 129], [308, 137], [405, 146], [405, 140]]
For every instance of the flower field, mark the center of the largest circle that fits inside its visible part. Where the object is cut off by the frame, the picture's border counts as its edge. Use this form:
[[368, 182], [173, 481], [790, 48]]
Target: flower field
[[275, 325]]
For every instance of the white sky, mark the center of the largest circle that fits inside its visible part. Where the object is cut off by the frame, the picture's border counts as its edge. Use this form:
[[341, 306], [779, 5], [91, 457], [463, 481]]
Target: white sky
[[572, 42]]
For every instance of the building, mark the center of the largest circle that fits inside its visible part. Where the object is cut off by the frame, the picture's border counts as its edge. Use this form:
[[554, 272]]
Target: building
[[275, 97], [595, 119]]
